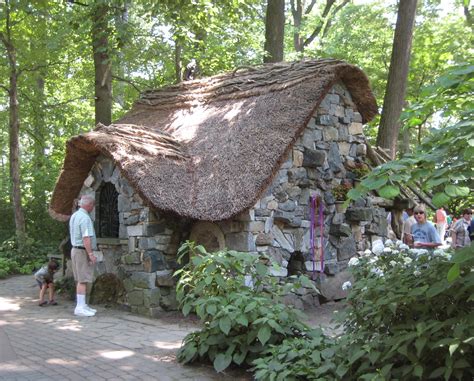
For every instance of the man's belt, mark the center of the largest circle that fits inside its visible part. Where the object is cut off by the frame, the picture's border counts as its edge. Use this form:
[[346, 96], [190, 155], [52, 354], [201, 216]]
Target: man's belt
[[79, 247]]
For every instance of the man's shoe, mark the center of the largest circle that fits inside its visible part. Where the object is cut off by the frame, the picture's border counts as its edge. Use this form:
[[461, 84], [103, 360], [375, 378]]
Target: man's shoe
[[83, 312], [88, 308]]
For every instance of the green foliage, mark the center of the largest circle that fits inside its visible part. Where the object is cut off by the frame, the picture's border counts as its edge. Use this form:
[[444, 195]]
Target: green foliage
[[340, 192], [360, 170], [406, 317], [301, 358], [444, 162], [7, 266], [239, 321], [409, 316], [23, 259]]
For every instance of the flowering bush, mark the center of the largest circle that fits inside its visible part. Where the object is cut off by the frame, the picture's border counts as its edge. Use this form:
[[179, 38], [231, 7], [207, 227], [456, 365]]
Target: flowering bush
[[409, 316], [340, 191]]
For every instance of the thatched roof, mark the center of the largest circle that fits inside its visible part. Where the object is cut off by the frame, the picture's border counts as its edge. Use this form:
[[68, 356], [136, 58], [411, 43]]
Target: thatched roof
[[207, 149]]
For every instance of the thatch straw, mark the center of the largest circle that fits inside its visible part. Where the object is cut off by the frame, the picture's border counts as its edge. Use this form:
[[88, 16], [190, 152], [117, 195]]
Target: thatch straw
[[207, 149]]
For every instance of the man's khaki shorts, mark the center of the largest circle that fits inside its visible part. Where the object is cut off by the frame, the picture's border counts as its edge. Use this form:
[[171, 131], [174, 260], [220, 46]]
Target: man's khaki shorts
[[82, 268]]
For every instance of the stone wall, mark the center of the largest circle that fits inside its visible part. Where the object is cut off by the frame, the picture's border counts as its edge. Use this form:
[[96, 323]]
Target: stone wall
[[143, 256], [279, 223]]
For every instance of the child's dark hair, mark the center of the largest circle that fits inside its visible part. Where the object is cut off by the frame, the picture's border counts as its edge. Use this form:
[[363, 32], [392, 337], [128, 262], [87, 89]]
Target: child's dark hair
[[52, 266]]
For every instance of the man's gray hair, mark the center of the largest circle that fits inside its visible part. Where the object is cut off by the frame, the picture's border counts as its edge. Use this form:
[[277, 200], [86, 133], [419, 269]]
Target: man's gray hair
[[86, 199]]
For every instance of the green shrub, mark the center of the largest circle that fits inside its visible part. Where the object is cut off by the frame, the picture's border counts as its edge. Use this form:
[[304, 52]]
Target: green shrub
[[409, 316], [25, 258], [7, 266], [239, 321], [299, 358]]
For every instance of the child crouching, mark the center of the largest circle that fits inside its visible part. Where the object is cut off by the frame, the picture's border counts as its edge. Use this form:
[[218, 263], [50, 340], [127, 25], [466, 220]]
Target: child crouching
[[45, 279]]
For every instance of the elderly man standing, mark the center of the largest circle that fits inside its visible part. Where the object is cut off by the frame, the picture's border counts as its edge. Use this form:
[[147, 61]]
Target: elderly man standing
[[83, 241]]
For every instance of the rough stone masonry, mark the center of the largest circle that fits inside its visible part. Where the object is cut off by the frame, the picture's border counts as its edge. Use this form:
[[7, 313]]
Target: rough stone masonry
[[143, 256]]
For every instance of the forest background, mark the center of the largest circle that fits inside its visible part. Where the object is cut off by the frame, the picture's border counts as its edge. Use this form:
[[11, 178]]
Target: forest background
[[57, 56]]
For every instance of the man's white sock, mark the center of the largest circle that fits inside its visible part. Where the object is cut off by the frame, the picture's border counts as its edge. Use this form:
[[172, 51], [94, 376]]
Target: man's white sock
[[81, 300]]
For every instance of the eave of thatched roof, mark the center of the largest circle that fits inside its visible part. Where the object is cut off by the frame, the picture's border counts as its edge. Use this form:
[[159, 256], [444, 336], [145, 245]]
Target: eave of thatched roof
[[206, 149]]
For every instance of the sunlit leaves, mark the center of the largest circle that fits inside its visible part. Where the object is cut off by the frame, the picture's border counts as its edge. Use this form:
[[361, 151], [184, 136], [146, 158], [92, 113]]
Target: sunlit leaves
[[444, 162], [374, 183], [389, 191]]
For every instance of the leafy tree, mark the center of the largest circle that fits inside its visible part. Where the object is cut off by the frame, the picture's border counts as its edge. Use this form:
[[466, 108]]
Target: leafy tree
[[444, 161], [10, 46]]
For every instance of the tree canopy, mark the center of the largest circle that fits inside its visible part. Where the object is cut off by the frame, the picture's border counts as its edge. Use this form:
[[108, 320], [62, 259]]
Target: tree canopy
[[150, 43]]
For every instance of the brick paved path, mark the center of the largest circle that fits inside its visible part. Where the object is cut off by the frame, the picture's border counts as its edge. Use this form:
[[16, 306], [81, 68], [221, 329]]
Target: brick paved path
[[50, 343]]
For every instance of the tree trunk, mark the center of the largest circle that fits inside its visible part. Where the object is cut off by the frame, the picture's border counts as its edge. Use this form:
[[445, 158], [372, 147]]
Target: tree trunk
[[121, 20], [389, 128], [178, 68], [274, 31], [15, 149], [102, 64], [39, 128], [14, 129], [297, 12], [405, 148]]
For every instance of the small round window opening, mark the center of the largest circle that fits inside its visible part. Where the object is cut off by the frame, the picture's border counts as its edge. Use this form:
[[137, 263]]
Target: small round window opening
[[108, 218]]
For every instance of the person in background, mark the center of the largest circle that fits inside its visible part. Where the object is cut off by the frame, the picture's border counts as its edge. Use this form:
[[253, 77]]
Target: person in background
[[83, 260], [45, 279], [441, 223], [424, 234], [407, 224], [449, 219], [460, 232], [471, 230]]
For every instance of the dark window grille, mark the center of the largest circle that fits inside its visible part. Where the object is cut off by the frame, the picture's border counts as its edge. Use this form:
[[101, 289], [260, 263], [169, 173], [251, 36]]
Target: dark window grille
[[108, 212]]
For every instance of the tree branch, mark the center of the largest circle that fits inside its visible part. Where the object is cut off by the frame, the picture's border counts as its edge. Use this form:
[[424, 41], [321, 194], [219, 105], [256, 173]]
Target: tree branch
[[127, 81], [52, 105], [293, 8], [5, 88], [317, 30], [329, 23], [77, 3], [37, 67], [469, 17], [4, 39], [310, 7]]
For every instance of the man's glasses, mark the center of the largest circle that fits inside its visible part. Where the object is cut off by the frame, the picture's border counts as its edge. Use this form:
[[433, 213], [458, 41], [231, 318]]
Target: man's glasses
[[419, 213]]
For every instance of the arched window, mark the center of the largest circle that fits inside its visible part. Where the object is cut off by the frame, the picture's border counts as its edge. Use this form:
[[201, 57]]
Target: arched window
[[208, 235], [108, 217]]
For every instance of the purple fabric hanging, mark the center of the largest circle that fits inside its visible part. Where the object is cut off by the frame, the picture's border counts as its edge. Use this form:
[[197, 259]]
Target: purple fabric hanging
[[321, 226], [316, 202], [311, 233]]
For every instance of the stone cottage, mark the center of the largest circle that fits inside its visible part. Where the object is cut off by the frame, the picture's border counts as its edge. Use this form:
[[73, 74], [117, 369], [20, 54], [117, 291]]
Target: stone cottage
[[230, 161]]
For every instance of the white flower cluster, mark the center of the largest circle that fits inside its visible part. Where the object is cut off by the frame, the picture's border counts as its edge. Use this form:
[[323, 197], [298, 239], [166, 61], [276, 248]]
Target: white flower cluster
[[395, 255], [346, 285], [353, 262]]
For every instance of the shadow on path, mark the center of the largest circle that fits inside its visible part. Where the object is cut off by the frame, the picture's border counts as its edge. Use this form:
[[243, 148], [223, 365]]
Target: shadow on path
[[50, 343]]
